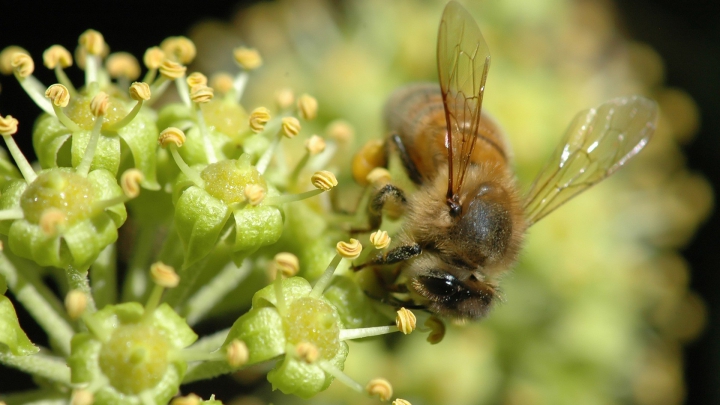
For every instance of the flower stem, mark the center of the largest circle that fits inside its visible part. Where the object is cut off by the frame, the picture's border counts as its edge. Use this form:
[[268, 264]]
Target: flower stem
[[39, 365], [213, 292], [40, 308], [103, 277], [78, 280], [211, 342]]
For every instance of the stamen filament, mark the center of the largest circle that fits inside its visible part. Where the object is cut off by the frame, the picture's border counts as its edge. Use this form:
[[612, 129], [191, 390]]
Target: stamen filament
[[64, 80], [36, 91], [298, 168], [191, 174], [207, 144], [193, 354], [340, 376], [326, 277], [64, 119], [128, 118], [157, 88], [11, 213], [153, 300], [150, 76], [359, 333], [287, 198], [239, 84], [279, 296], [182, 88], [84, 167], [25, 169], [92, 64], [214, 291]]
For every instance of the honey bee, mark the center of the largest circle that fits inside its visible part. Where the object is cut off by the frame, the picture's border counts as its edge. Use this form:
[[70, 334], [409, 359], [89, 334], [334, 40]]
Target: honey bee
[[464, 225]]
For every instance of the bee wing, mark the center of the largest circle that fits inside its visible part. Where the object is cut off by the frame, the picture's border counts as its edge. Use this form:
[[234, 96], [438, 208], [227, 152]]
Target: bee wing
[[597, 143], [463, 63]]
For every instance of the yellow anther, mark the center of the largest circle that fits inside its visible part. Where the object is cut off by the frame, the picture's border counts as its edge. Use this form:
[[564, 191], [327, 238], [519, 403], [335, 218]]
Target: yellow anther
[[22, 64], [378, 177], [191, 399], [291, 126], [284, 98], [400, 401], [82, 397], [99, 104], [307, 107], [258, 118], [341, 131], [182, 49], [164, 275], [201, 94], [58, 94], [287, 263], [93, 42], [171, 135], [380, 387], [130, 182], [380, 239], [57, 55], [247, 58], [6, 56], [437, 330], [237, 353], [307, 352], [405, 320], [172, 70], [50, 220], [123, 64], [8, 125], [349, 250], [222, 82], [254, 193], [315, 145], [140, 91], [324, 180], [75, 303], [196, 79], [153, 57]]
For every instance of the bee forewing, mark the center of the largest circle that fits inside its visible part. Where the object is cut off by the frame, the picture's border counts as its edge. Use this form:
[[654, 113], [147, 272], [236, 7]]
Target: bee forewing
[[597, 143], [463, 63]]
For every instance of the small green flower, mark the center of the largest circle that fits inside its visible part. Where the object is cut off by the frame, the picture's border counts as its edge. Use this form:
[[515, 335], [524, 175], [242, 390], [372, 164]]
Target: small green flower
[[12, 337]]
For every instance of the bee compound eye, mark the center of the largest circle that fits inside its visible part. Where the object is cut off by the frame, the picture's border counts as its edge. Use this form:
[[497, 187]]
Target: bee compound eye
[[441, 285]]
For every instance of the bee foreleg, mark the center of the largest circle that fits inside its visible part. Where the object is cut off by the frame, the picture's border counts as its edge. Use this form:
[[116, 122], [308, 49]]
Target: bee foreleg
[[395, 255], [377, 202]]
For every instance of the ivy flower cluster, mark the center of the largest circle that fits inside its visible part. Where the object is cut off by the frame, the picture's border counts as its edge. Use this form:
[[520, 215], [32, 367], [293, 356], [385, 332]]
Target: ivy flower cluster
[[207, 200]]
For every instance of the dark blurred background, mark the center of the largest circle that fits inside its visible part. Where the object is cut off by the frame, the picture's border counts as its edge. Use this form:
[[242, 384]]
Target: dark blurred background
[[686, 34]]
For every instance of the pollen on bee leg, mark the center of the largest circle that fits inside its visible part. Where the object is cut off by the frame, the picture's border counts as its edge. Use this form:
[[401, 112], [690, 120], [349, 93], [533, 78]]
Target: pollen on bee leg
[[370, 156]]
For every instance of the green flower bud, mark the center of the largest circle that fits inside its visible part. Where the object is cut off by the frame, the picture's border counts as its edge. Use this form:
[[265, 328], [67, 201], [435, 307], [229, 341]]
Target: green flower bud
[[129, 355]]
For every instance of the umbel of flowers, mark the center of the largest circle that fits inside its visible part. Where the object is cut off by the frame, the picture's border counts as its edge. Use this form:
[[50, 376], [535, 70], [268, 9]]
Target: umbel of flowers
[[208, 202]]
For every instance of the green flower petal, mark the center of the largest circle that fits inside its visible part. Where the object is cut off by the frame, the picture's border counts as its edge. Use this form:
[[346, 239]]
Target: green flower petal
[[296, 377], [12, 337], [10, 198], [262, 331], [355, 308], [106, 187], [141, 136], [256, 227], [49, 135], [199, 219], [107, 154]]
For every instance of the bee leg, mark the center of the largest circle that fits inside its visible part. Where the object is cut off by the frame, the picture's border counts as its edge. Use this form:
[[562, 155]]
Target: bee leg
[[375, 207], [395, 255], [409, 165]]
